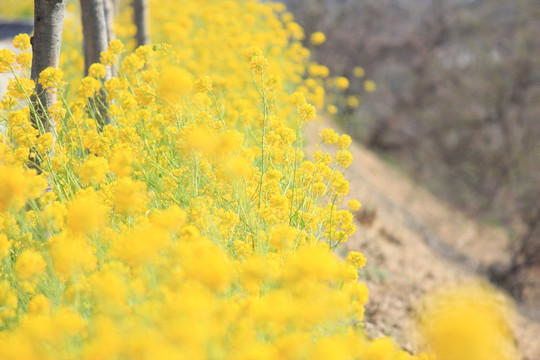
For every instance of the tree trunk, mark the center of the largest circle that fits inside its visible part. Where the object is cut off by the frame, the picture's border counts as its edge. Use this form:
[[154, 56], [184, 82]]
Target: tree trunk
[[46, 42], [95, 35], [109, 18], [140, 12], [95, 40]]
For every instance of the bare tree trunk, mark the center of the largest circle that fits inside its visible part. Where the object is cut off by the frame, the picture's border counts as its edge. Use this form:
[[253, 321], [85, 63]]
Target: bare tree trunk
[[46, 42], [94, 31], [96, 40], [140, 12], [109, 18]]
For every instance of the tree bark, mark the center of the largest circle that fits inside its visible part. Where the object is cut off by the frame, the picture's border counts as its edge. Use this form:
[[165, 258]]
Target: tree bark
[[140, 14], [95, 40], [109, 18], [94, 31], [46, 43]]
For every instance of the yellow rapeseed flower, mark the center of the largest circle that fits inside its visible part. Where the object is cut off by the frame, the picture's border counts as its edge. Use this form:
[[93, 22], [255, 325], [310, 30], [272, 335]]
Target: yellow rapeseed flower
[[7, 58], [306, 112], [369, 86], [354, 205], [357, 259], [97, 71], [359, 72], [86, 213], [5, 245], [318, 38], [51, 78], [352, 101], [467, 322], [341, 82], [174, 83], [22, 42], [94, 170], [332, 109], [29, 264]]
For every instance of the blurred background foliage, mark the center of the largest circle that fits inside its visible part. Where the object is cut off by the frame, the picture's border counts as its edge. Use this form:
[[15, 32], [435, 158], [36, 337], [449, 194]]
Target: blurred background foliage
[[458, 96]]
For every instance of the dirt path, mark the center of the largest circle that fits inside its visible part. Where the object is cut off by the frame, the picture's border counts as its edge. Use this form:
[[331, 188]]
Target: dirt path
[[415, 243]]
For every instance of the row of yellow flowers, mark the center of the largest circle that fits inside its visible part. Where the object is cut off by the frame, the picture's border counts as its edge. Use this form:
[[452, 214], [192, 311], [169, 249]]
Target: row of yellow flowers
[[192, 226]]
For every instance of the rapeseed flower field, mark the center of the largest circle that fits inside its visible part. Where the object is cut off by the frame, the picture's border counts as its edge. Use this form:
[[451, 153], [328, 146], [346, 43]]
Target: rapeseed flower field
[[192, 226]]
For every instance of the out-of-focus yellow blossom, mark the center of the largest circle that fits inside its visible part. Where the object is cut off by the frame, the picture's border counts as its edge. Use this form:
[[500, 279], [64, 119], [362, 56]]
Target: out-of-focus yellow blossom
[[39, 304], [8, 301], [71, 255], [297, 99], [174, 83], [141, 245], [283, 237], [318, 70], [359, 72], [86, 213], [251, 52], [17, 186], [5, 245], [130, 197], [369, 86], [318, 38], [95, 169], [237, 168], [467, 322], [332, 109], [353, 101], [122, 162], [342, 82], [29, 264], [213, 270]]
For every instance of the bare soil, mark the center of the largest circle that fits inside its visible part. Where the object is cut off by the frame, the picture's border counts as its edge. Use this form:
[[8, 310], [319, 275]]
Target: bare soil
[[415, 243]]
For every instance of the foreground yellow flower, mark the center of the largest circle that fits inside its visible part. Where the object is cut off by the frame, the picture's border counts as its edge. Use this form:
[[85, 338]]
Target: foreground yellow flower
[[29, 264], [468, 322], [17, 186]]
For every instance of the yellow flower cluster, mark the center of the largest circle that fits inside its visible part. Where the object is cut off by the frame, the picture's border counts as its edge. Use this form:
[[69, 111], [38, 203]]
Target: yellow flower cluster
[[191, 226]]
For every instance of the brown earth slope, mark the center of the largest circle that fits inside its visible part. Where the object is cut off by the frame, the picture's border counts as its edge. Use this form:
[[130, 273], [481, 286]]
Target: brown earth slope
[[415, 243]]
